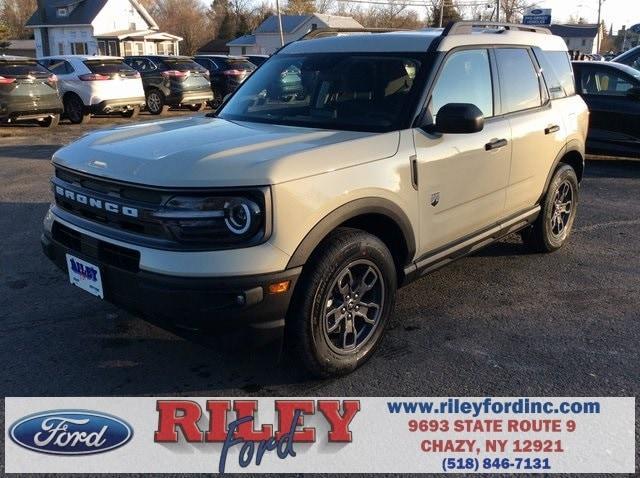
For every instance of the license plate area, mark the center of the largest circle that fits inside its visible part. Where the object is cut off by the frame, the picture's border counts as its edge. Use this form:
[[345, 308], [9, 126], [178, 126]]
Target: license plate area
[[85, 275]]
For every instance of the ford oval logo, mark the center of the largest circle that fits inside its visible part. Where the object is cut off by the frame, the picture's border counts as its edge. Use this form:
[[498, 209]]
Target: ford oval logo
[[71, 432], [536, 11]]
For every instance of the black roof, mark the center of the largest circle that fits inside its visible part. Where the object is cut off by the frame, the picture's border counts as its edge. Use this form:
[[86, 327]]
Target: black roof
[[83, 13]]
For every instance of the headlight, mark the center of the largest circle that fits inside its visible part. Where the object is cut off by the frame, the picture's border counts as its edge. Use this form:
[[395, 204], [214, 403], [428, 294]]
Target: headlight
[[226, 220]]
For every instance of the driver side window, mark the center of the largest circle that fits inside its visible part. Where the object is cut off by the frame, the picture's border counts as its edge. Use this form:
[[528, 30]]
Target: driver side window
[[465, 78]]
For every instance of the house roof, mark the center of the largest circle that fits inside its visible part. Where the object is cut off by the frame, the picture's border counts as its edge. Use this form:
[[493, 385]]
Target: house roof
[[139, 35], [290, 23], [575, 31], [244, 40], [83, 13]]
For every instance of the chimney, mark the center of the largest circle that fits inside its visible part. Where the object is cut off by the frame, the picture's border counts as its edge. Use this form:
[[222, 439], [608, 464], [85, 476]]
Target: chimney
[[44, 32]]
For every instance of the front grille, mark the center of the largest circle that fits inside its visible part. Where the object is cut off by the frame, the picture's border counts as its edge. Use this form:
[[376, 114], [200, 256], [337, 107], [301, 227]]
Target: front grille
[[104, 252], [146, 201]]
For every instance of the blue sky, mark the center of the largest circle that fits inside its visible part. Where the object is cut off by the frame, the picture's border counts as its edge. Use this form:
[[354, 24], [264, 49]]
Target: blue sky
[[618, 12]]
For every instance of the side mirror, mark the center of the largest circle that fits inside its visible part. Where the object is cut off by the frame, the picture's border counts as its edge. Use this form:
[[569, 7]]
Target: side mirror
[[634, 92], [459, 118]]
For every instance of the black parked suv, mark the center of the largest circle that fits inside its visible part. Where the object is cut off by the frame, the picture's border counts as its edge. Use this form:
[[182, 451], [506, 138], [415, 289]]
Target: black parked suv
[[227, 73], [172, 81], [28, 92], [257, 59]]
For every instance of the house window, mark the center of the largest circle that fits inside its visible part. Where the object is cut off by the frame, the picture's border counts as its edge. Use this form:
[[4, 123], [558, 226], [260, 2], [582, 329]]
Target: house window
[[60, 48], [79, 48], [127, 48], [102, 47], [166, 48], [584, 42], [244, 50], [132, 26], [139, 48]]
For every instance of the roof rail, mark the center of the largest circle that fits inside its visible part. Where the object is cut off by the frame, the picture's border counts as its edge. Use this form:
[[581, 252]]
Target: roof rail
[[467, 27], [328, 32]]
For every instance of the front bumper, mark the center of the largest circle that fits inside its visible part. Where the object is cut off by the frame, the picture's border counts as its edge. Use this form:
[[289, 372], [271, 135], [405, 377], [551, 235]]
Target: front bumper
[[225, 303], [120, 104]]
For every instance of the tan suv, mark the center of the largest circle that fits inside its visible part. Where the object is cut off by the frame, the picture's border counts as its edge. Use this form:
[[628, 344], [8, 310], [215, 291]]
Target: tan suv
[[301, 215]]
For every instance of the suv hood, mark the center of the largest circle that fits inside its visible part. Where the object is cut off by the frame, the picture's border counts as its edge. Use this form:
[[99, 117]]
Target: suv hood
[[210, 152]]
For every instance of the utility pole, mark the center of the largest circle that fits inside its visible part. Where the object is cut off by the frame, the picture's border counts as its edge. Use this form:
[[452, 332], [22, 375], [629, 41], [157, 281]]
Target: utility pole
[[600, 2], [441, 11], [280, 23], [498, 10]]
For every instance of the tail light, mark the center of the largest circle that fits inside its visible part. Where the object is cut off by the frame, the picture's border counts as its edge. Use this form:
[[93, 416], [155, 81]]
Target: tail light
[[232, 72], [6, 80], [175, 74], [94, 77], [52, 80]]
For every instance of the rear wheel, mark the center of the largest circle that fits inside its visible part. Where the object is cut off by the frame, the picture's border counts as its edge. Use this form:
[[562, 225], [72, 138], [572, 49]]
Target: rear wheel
[[75, 110], [342, 303], [132, 113], [198, 107], [156, 103], [553, 227], [50, 122]]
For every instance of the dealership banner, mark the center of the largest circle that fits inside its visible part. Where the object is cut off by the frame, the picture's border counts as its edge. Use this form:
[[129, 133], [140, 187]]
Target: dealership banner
[[320, 435]]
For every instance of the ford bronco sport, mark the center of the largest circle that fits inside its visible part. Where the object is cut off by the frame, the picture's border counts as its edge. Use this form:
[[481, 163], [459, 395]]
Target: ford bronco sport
[[303, 215]]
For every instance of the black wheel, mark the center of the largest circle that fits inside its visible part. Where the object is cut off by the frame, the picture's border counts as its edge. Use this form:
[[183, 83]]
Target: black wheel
[[553, 227], [197, 107], [156, 102], [75, 110], [133, 113], [342, 303], [50, 121], [216, 102]]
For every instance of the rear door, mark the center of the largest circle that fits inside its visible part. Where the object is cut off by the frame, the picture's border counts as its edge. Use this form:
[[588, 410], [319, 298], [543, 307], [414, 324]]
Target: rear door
[[26, 85], [462, 177], [615, 115], [67, 78], [537, 126]]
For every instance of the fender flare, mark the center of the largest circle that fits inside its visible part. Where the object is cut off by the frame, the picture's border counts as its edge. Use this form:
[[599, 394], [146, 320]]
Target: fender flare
[[572, 146], [350, 210]]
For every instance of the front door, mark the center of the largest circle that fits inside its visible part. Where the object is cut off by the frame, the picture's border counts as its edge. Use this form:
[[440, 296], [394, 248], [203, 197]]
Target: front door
[[462, 177]]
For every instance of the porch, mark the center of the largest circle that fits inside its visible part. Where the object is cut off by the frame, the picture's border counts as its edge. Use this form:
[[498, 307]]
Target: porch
[[148, 42]]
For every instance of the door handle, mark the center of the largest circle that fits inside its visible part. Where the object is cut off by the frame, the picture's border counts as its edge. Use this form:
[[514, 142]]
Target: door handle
[[496, 144], [552, 129]]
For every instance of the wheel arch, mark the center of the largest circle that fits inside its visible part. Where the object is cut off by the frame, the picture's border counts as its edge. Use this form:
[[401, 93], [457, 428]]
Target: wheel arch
[[573, 155], [377, 216]]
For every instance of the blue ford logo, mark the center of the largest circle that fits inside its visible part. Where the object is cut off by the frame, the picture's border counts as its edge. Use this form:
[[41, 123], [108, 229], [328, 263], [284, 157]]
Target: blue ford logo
[[70, 432], [536, 11]]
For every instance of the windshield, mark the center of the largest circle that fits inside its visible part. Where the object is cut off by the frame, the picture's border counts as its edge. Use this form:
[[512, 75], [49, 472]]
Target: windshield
[[350, 91], [23, 68]]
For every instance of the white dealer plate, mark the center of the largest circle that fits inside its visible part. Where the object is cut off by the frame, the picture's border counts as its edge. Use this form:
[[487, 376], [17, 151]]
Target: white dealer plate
[[85, 275]]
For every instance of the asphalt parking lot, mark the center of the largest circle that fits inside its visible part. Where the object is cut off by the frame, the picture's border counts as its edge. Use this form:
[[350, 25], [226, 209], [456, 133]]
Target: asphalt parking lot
[[502, 322]]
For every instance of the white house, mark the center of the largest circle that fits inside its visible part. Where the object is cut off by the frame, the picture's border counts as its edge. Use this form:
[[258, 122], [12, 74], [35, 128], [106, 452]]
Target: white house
[[266, 38], [98, 27], [580, 38]]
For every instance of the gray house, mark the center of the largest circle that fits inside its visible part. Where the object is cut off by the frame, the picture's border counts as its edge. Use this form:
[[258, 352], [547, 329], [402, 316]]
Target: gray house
[[580, 38], [265, 39], [98, 27]]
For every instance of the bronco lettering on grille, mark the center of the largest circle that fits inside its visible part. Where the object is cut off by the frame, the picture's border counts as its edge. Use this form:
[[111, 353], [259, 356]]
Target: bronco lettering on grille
[[94, 203]]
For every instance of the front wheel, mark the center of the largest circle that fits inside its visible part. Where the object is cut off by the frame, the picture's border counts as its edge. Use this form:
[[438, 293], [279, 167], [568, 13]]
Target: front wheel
[[342, 303], [553, 227]]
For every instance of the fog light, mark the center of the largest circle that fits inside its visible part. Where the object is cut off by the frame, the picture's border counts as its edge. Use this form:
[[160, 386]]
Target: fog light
[[280, 287]]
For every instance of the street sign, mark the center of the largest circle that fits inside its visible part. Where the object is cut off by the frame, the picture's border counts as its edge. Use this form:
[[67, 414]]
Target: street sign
[[537, 16]]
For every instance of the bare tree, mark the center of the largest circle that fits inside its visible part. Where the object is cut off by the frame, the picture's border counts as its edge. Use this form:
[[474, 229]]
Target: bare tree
[[513, 10], [187, 18], [14, 14]]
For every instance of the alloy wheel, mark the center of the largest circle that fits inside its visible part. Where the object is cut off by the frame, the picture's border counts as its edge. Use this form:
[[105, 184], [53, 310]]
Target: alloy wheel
[[353, 307], [562, 208]]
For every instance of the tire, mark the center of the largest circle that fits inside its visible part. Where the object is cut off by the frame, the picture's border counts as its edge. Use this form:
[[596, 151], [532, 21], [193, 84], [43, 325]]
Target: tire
[[133, 113], [553, 227], [217, 100], [328, 304], [50, 122], [156, 102], [75, 110], [197, 107]]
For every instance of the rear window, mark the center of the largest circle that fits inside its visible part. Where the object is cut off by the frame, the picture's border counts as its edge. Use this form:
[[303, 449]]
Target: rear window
[[235, 64], [183, 65], [557, 72], [23, 69], [519, 86], [109, 67]]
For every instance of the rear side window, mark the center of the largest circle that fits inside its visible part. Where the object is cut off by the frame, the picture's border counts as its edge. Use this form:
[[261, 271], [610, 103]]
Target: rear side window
[[109, 67], [236, 64], [23, 69], [604, 82], [60, 67], [557, 72], [140, 64], [519, 84], [465, 78]]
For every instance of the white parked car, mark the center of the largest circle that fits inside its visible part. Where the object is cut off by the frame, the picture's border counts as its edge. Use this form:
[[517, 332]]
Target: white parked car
[[96, 85]]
